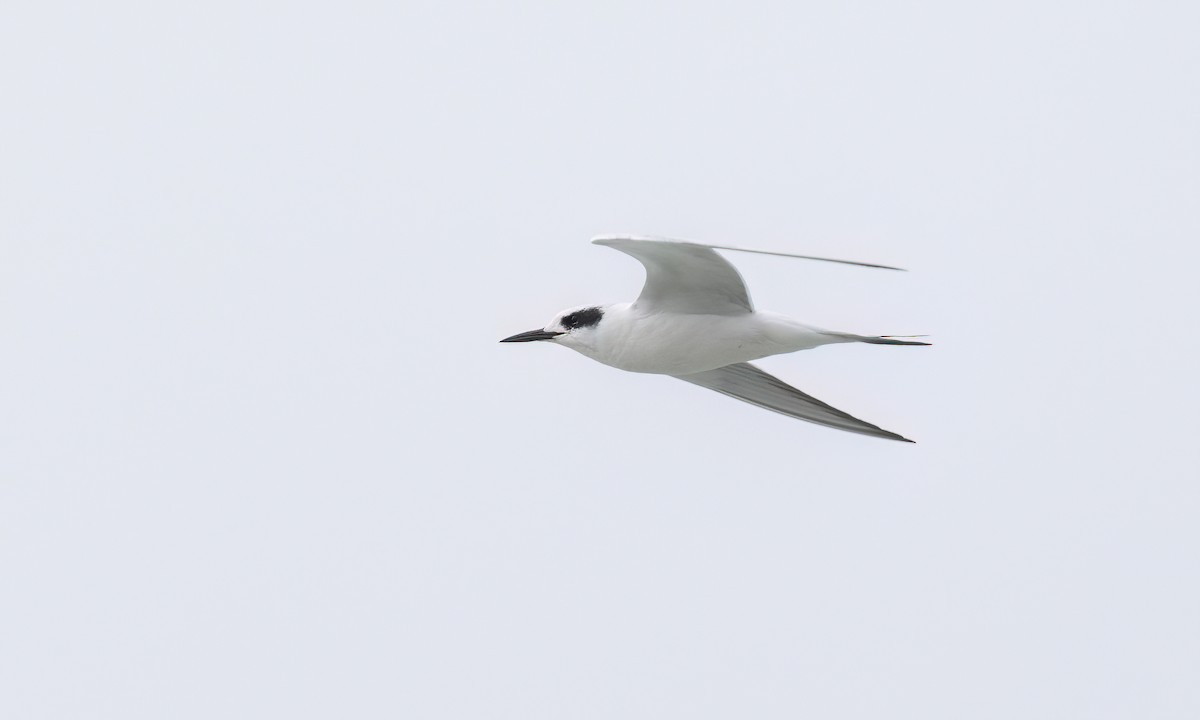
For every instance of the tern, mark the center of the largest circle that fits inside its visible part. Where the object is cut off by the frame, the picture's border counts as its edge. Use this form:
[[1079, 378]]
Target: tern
[[694, 321]]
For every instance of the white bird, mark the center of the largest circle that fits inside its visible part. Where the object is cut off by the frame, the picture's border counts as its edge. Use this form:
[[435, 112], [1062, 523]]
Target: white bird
[[694, 321]]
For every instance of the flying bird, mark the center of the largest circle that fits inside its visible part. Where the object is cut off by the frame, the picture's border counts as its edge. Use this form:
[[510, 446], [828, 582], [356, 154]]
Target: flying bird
[[694, 321]]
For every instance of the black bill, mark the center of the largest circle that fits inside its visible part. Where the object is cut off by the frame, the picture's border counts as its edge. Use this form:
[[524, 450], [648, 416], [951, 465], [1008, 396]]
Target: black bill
[[531, 336]]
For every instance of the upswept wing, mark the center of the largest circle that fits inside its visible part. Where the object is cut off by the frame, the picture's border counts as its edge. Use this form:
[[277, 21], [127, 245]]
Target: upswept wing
[[683, 277], [750, 384], [688, 277]]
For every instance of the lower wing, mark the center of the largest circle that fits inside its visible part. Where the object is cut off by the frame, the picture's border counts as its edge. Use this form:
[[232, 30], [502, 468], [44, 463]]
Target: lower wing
[[750, 384]]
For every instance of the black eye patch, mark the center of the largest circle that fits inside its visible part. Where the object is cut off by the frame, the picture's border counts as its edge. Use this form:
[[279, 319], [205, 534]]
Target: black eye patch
[[582, 318]]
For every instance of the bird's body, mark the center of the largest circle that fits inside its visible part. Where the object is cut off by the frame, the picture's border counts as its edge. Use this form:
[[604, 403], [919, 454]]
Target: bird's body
[[694, 321], [668, 343]]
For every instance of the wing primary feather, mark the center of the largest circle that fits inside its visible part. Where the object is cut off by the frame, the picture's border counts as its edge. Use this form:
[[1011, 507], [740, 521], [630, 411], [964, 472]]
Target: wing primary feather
[[608, 239], [809, 257]]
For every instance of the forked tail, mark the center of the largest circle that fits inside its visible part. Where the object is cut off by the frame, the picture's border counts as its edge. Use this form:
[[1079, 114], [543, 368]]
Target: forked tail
[[882, 339], [893, 340]]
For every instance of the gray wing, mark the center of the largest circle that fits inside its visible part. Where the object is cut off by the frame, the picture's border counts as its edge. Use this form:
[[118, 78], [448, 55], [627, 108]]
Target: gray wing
[[688, 277], [750, 384], [684, 277]]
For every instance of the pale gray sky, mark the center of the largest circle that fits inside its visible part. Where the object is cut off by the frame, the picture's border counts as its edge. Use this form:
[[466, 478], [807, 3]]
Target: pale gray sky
[[261, 454]]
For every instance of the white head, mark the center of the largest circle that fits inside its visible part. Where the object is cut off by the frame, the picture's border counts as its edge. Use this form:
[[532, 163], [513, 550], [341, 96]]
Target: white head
[[574, 327]]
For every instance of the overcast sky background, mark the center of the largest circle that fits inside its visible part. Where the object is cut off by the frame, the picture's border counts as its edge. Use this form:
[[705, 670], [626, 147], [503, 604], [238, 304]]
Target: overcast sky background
[[261, 454]]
